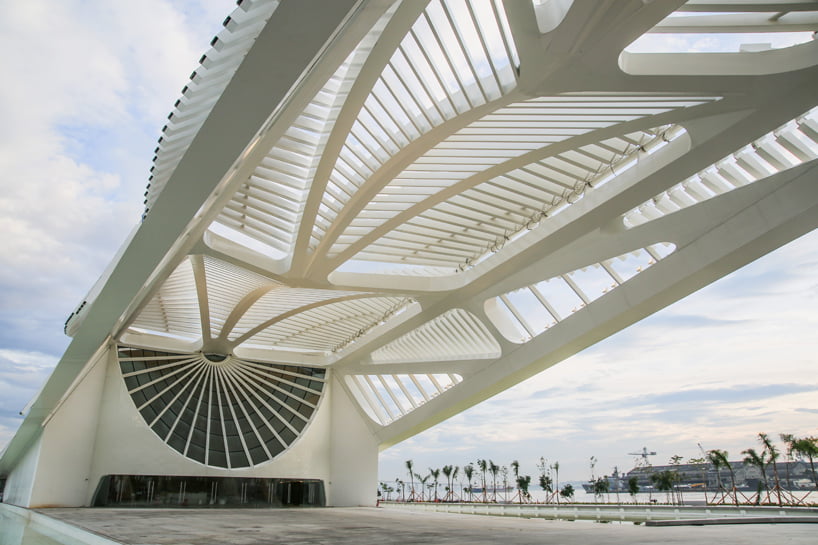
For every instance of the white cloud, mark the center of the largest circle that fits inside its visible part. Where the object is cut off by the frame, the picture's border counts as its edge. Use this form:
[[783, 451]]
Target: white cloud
[[22, 374]]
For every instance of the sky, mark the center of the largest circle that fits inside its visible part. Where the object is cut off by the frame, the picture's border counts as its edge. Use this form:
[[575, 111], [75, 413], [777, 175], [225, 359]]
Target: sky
[[87, 87]]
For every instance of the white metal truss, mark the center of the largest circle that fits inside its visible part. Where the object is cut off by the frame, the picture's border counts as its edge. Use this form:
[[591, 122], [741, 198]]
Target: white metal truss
[[777, 151], [456, 57], [216, 68], [436, 195], [524, 313], [386, 398], [454, 335], [220, 306], [268, 207], [478, 218]]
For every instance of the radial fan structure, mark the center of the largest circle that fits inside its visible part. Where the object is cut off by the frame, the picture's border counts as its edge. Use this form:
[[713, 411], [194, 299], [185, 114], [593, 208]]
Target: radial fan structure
[[220, 410]]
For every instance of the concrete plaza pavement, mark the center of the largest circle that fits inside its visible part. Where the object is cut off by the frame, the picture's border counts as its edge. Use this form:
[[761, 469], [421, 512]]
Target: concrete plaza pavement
[[370, 526]]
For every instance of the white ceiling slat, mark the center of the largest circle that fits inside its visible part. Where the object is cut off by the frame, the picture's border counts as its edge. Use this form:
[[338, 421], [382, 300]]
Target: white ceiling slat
[[554, 118], [778, 150], [436, 341]]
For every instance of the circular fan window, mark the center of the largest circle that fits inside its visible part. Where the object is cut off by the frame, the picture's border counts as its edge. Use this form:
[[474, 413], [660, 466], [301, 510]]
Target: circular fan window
[[221, 410]]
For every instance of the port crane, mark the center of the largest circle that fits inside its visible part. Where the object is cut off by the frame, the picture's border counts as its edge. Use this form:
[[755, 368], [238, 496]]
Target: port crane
[[644, 454]]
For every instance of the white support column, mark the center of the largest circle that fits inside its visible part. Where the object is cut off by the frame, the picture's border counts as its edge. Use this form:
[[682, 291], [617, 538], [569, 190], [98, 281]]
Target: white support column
[[353, 453]]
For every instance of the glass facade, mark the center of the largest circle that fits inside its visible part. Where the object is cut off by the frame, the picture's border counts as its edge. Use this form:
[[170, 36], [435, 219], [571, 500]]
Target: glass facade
[[204, 492]]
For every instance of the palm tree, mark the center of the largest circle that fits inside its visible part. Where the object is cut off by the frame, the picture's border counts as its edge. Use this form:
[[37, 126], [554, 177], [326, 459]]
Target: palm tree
[[468, 471], [409, 466], [447, 471], [752, 458], [504, 473], [435, 473], [788, 440], [556, 466], [773, 455], [515, 467], [717, 458], [807, 447], [454, 477], [483, 465], [675, 460], [493, 469], [422, 483]]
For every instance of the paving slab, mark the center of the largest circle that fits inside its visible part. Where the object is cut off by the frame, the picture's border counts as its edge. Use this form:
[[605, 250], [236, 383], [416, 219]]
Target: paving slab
[[373, 526]]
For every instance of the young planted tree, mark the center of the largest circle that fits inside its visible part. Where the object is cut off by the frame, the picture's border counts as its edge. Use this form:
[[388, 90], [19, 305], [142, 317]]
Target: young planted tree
[[808, 448], [753, 458], [601, 487], [567, 492], [523, 482], [546, 483], [676, 460], [435, 473], [719, 459], [665, 481], [504, 473], [772, 456], [468, 471], [515, 468], [788, 439], [494, 469], [422, 481], [409, 468], [633, 487], [556, 467], [483, 465], [800, 448], [447, 472]]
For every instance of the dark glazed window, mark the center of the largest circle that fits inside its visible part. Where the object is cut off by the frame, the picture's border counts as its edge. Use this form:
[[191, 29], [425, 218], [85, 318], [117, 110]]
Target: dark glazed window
[[201, 492]]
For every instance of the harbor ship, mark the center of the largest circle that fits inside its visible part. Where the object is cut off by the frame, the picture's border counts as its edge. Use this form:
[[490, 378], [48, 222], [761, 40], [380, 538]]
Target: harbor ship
[[795, 475]]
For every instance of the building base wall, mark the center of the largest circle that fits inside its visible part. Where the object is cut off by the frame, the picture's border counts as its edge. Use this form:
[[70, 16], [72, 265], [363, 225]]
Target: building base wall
[[64, 464], [20, 481], [354, 457]]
